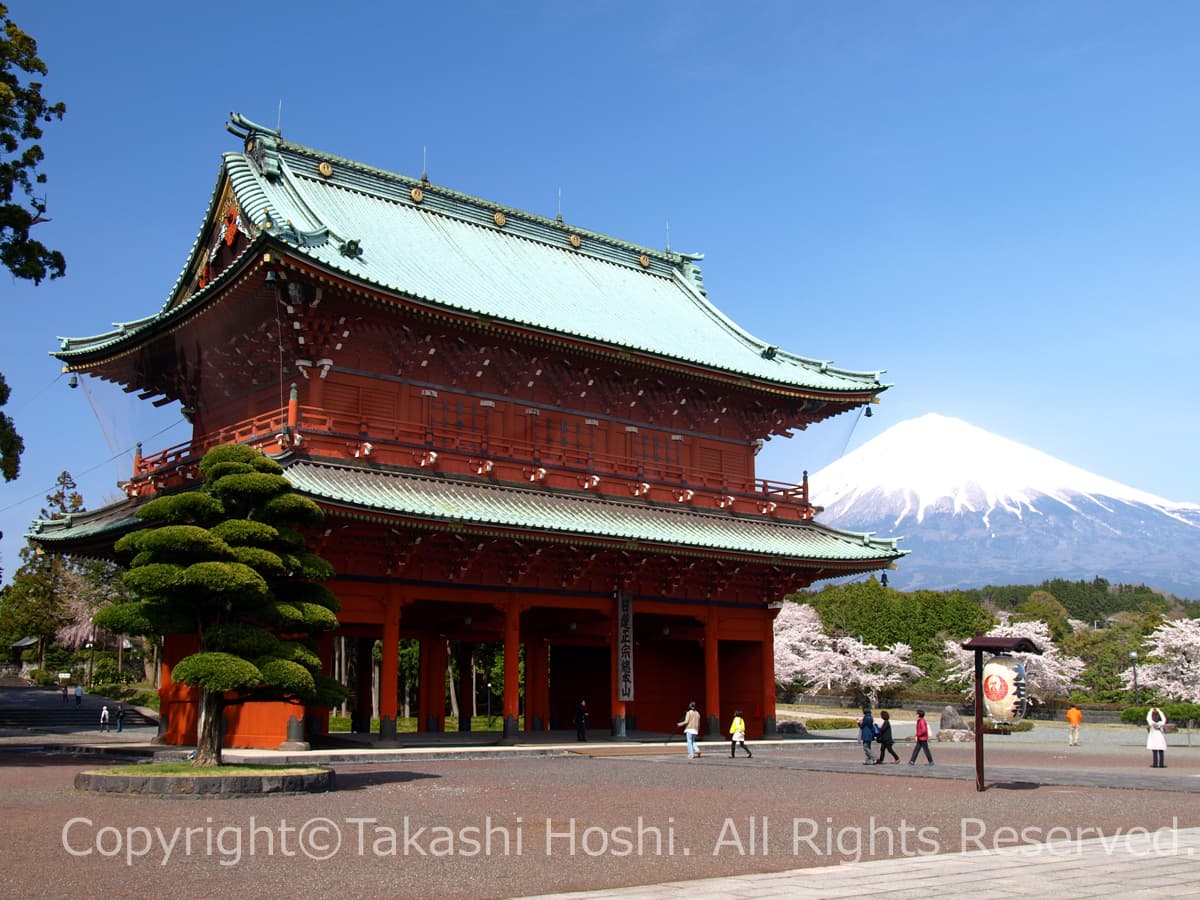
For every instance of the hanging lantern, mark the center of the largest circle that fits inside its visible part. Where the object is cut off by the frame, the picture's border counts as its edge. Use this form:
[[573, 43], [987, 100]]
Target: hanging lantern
[[1005, 693]]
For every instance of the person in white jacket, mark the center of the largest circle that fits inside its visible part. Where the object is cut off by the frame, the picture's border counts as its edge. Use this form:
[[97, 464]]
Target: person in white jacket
[[1156, 741]]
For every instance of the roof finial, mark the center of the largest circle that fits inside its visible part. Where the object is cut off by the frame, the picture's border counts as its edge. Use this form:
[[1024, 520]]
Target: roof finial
[[668, 235], [279, 119], [559, 216], [425, 165]]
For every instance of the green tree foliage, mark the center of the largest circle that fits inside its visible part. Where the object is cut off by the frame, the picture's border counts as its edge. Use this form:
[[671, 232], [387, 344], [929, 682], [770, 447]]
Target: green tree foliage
[[36, 604], [883, 617], [1105, 653], [1087, 601], [11, 444], [23, 110], [925, 619], [227, 566], [1042, 606]]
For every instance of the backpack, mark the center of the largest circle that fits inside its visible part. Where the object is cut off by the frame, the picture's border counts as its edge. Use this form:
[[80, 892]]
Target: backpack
[[875, 730]]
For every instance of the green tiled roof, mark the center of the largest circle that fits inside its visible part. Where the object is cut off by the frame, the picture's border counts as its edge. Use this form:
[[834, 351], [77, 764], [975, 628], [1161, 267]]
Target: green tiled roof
[[448, 250], [578, 515], [567, 515], [93, 525]]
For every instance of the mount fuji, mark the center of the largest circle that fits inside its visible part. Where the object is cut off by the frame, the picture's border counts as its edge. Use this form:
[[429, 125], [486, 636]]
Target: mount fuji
[[976, 509]]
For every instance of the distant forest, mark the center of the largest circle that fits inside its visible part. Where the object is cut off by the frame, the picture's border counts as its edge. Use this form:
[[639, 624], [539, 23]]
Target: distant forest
[[1097, 621]]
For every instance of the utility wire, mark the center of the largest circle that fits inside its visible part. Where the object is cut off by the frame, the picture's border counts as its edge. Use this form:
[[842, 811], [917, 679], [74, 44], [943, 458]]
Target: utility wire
[[88, 471]]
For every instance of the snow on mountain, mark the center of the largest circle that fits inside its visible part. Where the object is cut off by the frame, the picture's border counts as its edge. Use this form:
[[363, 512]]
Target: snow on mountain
[[976, 508]]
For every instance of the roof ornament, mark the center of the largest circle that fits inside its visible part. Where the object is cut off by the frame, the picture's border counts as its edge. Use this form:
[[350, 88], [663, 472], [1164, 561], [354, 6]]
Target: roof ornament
[[261, 143], [691, 272]]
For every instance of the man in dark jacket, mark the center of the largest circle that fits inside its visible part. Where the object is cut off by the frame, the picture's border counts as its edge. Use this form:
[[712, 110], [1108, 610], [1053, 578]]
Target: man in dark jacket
[[866, 734], [581, 721]]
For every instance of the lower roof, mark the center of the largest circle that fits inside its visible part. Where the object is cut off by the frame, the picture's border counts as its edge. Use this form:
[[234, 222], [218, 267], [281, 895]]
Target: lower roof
[[555, 515]]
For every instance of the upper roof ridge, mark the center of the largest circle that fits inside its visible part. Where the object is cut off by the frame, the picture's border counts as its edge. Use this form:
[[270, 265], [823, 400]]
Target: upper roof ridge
[[269, 151]]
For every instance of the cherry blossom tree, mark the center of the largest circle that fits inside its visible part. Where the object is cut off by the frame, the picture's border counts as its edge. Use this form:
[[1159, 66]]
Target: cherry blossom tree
[[1052, 674], [806, 656], [1172, 662], [797, 632]]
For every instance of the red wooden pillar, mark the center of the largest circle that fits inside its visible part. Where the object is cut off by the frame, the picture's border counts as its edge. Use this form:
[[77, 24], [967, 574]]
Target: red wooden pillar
[[432, 693], [712, 675], [537, 685], [512, 670], [618, 706], [389, 671], [768, 673]]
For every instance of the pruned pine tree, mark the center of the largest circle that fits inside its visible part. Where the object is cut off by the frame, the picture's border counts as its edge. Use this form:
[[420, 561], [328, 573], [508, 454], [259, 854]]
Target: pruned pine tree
[[227, 564]]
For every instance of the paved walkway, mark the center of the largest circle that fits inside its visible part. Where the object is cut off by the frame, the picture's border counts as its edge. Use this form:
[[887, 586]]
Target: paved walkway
[[1161, 864], [1136, 863]]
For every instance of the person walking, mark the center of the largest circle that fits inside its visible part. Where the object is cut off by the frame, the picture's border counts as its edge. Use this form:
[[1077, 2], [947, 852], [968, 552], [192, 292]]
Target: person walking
[[78, 694], [1074, 717], [581, 714], [886, 741], [737, 735], [120, 717], [691, 728], [64, 693], [866, 734], [922, 740], [104, 719], [1156, 741]]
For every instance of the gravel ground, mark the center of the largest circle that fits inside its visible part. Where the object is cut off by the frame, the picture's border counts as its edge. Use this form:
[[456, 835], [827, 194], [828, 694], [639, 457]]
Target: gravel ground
[[572, 821]]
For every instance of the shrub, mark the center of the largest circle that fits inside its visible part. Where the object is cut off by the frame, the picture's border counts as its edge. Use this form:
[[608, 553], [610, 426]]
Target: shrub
[[1181, 713], [42, 678]]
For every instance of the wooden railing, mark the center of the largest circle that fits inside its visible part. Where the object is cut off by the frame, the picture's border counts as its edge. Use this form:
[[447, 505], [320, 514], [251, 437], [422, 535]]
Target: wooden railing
[[318, 433]]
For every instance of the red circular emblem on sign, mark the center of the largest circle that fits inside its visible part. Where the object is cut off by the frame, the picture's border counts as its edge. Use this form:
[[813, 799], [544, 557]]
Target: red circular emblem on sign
[[995, 687]]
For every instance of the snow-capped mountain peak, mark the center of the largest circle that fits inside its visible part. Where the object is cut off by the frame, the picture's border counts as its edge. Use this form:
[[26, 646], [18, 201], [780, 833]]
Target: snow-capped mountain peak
[[933, 459], [975, 509]]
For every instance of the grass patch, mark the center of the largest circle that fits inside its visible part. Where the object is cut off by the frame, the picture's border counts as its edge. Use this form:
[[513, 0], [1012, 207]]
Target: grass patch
[[186, 768], [829, 724], [409, 725]]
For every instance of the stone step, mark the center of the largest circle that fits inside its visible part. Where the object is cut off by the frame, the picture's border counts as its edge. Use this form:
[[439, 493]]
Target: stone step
[[69, 717]]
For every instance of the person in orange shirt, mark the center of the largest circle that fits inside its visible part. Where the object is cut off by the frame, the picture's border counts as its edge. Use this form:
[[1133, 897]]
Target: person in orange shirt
[[1074, 717]]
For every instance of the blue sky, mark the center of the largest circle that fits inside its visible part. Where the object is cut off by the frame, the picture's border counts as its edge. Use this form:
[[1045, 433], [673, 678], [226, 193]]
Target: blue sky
[[998, 203]]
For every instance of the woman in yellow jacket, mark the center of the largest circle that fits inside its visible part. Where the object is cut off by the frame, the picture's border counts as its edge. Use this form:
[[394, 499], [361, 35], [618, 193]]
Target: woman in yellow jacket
[[737, 734]]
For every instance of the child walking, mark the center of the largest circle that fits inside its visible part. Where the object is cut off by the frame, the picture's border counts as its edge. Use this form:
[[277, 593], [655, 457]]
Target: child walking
[[737, 734]]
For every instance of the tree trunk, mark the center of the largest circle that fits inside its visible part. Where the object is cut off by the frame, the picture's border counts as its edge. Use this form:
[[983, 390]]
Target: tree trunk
[[150, 660], [208, 740], [453, 691]]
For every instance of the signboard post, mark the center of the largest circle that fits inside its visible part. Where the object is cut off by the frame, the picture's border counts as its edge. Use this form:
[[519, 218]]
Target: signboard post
[[624, 646], [1004, 688]]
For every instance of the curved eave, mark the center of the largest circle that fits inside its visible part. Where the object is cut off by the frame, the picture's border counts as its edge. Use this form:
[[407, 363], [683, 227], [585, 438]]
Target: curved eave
[[77, 353]]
